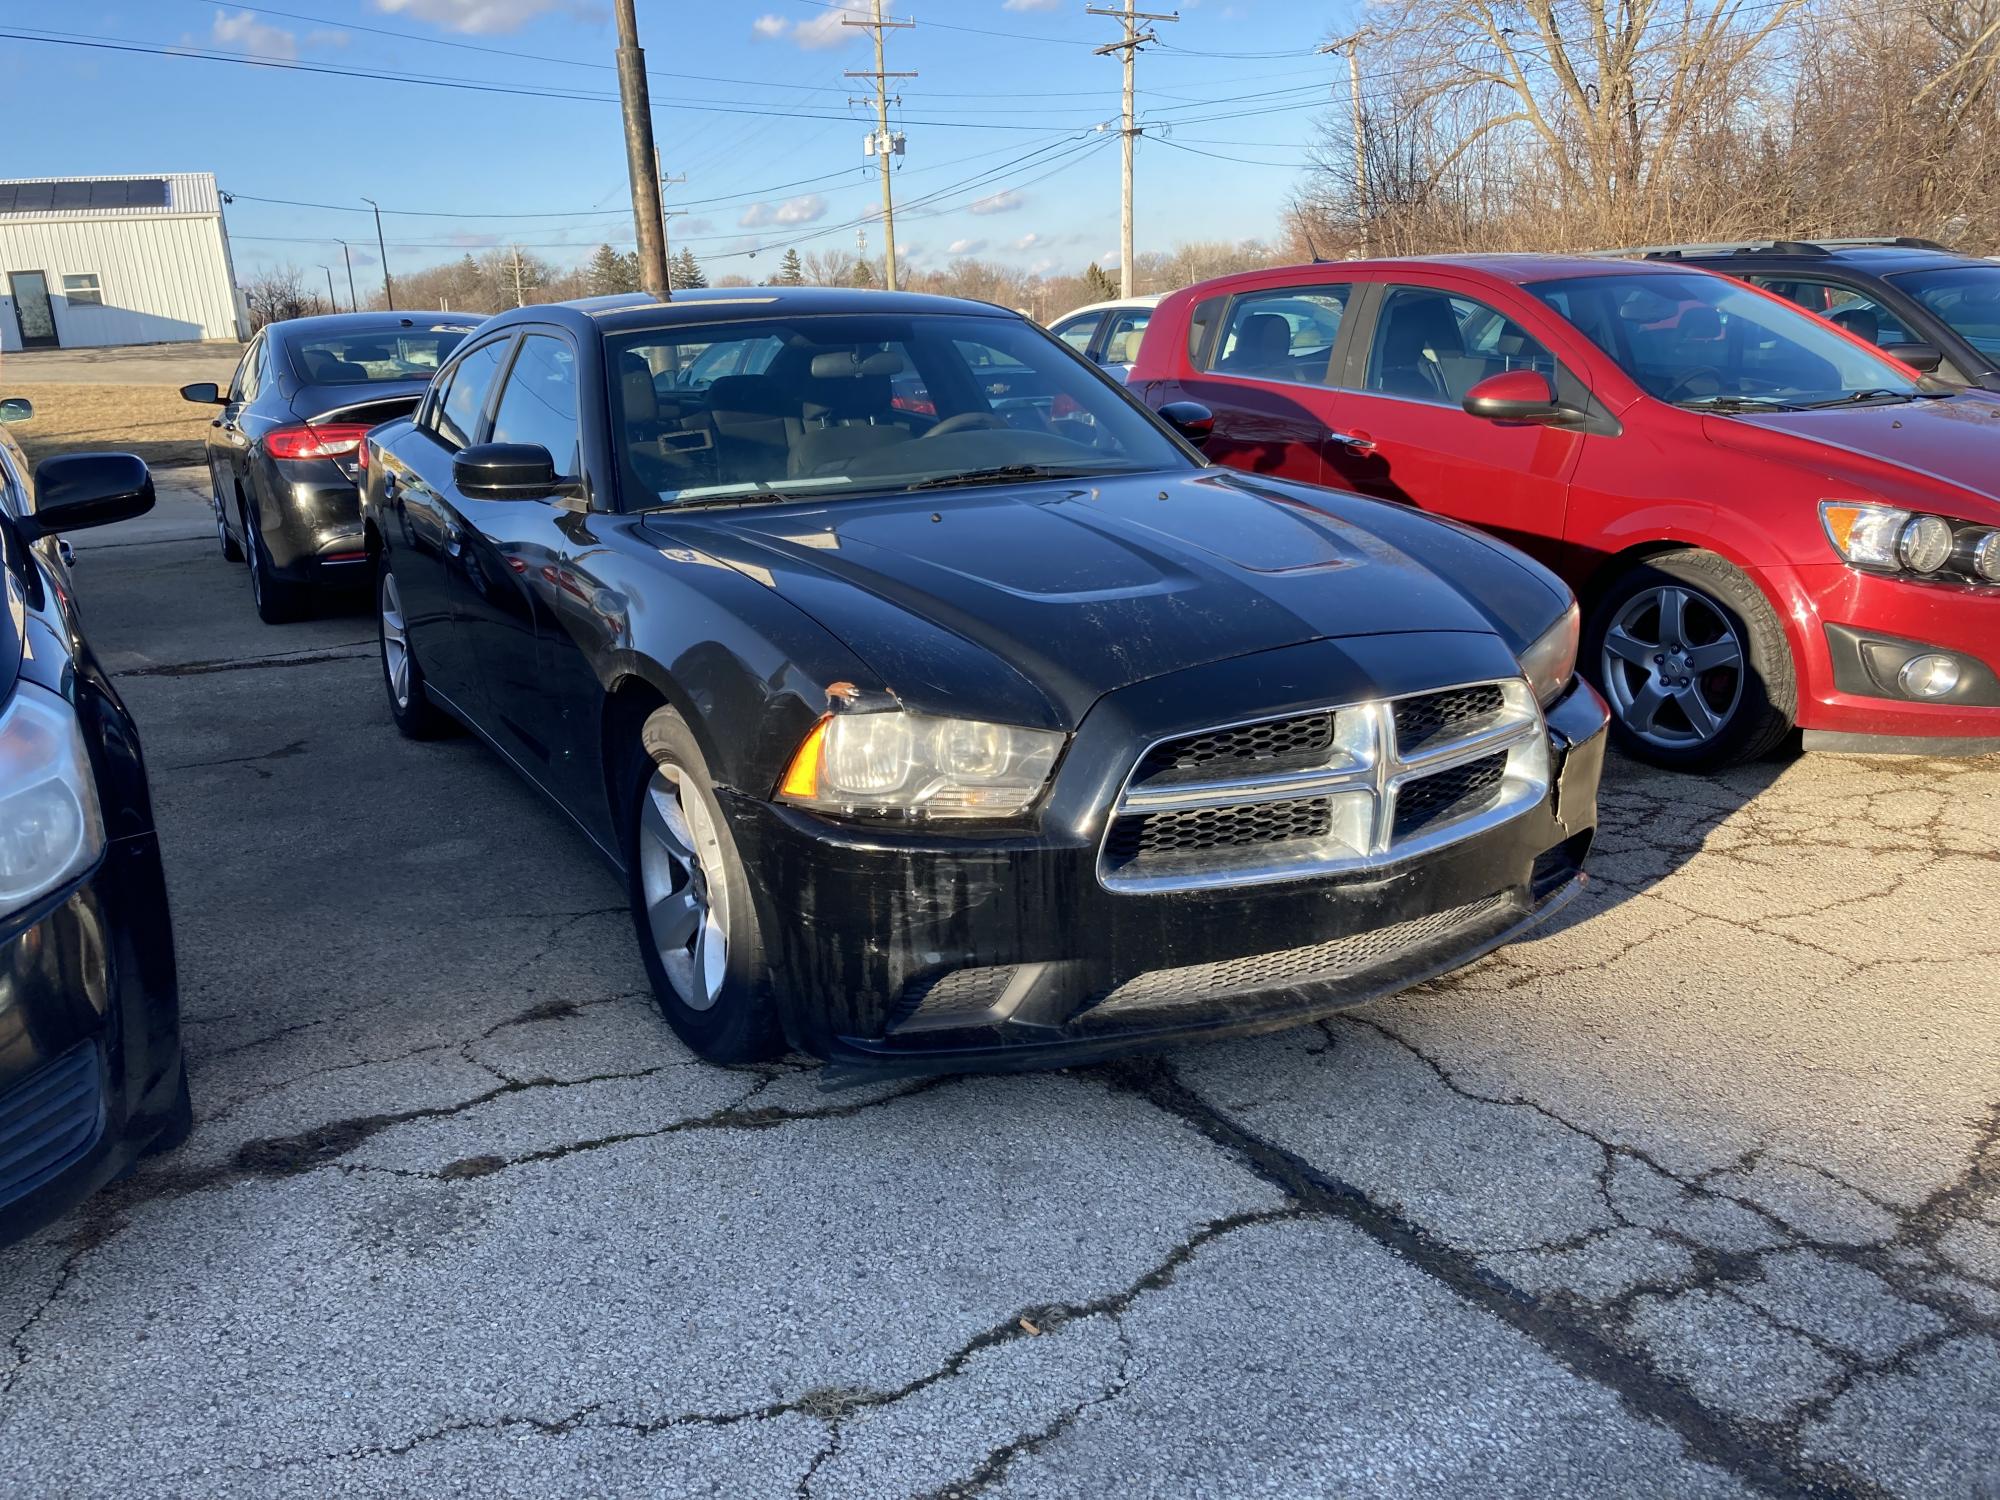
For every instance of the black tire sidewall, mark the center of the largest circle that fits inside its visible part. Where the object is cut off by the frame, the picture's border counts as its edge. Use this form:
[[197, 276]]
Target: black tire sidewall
[[276, 599], [1768, 704], [419, 719], [741, 1026]]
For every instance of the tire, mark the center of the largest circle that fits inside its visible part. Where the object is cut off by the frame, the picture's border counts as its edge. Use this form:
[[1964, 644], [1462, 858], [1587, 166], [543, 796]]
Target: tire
[[231, 552], [723, 1009], [417, 716], [1693, 662], [279, 601], [180, 1122]]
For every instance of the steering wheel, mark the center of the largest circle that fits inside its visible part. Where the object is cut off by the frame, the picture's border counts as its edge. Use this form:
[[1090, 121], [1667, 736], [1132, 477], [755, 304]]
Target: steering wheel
[[964, 421], [1713, 375]]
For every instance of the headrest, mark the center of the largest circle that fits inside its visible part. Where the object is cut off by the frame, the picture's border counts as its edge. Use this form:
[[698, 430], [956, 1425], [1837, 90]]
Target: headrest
[[640, 397], [839, 364], [1264, 336], [1423, 323], [757, 395]]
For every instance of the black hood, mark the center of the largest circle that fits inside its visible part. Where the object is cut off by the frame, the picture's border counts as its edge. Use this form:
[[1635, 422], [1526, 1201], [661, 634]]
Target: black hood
[[1057, 592]]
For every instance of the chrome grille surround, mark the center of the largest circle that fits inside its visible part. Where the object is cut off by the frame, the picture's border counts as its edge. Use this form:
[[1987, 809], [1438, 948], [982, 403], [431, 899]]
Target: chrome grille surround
[[1358, 781]]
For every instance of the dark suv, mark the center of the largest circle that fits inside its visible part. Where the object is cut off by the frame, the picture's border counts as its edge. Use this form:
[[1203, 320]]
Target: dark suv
[[1930, 307]]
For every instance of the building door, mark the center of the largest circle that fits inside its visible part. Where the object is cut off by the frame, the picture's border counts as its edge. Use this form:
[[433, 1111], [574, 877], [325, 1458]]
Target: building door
[[33, 313]]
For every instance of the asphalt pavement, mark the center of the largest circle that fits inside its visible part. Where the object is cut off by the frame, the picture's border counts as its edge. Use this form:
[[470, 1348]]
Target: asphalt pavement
[[1697, 1194]]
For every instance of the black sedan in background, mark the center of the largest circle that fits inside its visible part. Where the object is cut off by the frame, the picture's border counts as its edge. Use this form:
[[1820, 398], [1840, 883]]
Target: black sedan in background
[[987, 735], [281, 452], [90, 1053]]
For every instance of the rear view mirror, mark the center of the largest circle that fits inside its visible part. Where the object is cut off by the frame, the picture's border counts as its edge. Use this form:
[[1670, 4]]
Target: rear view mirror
[[1190, 419], [16, 409], [1514, 396], [203, 393], [88, 489], [1923, 358], [505, 471]]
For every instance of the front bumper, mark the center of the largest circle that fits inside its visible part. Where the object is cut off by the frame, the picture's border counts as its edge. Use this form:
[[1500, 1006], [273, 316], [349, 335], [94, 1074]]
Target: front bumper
[[90, 1057], [930, 951]]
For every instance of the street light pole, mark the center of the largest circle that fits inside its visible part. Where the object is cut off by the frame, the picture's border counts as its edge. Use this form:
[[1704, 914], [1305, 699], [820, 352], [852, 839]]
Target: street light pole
[[353, 303], [388, 287], [332, 302]]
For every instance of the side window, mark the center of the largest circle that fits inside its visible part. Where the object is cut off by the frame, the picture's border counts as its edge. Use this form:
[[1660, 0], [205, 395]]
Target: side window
[[241, 385], [1285, 334], [1856, 311], [1200, 323], [538, 403], [455, 417], [1432, 346], [1078, 332], [1121, 341]]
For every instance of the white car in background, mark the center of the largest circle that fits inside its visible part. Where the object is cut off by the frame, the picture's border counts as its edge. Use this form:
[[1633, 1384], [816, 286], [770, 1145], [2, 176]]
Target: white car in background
[[1108, 332]]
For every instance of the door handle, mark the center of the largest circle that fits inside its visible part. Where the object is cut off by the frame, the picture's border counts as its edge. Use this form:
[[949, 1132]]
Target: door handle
[[388, 486], [1358, 442]]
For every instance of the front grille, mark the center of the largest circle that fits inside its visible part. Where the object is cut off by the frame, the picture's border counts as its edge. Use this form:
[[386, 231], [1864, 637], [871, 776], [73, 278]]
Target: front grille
[[1234, 827], [49, 1122], [1331, 789], [1441, 716], [1455, 793], [1272, 745], [1313, 964]]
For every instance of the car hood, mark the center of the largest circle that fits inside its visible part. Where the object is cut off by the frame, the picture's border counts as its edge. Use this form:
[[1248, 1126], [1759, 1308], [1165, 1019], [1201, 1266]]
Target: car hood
[[1952, 440], [1062, 591]]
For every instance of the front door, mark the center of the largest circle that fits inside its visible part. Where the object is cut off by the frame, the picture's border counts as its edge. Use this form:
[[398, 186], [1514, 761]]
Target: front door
[[1404, 436], [34, 314]]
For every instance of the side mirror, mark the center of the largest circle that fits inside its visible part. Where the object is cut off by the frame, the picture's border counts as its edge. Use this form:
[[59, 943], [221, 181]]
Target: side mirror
[[204, 393], [1514, 396], [1923, 358], [88, 489], [16, 409], [1191, 420], [505, 471]]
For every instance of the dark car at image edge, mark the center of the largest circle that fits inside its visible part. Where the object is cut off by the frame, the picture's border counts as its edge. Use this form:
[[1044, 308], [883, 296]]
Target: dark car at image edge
[[91, 1076], [1000, 734]]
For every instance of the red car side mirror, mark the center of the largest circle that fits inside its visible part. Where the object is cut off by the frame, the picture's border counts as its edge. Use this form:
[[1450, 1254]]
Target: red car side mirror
[[1515, 396]]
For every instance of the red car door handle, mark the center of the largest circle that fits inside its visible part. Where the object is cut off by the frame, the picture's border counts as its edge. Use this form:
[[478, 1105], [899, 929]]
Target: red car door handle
[[1359, 442]]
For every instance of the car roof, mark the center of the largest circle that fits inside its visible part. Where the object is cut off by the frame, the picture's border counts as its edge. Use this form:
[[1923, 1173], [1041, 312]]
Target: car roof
[[1877, 256], [332, 325], [1518, 267], [625, 312], [1116, 304]]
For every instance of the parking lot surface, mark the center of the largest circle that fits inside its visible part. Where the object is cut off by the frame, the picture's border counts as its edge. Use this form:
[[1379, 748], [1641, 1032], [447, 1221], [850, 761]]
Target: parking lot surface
[[1697, 1194]]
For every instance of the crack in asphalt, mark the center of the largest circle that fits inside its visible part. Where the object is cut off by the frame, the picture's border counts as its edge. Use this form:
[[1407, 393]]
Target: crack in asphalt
[[283, 752], [345, 651]]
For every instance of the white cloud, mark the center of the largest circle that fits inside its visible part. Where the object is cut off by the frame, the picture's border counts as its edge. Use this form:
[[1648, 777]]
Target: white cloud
[[488, 17], [243, 32], [803, 210], [770, 27], [823, 32], [965, 247], [1028, 241], [325, 37], [1041, 4], [1003, 202]]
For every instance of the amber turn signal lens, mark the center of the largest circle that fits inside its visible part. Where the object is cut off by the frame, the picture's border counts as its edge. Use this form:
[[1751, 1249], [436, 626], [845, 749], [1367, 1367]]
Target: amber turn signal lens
[[802, 777]]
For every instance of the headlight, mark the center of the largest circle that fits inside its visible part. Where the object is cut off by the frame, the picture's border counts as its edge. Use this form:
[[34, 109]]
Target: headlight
[[1550, 663], [50, 826], [1890, 540], [919, 766]]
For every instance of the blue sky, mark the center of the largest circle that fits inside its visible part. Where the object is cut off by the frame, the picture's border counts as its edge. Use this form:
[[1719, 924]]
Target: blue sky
[[1003, 159]]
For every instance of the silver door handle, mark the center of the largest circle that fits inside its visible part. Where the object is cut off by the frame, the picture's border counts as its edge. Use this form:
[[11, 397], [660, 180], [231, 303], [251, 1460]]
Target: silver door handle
[[1359, 442]]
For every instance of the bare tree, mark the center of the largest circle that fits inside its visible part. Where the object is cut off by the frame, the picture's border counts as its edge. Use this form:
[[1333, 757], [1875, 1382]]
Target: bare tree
[[278, 293]]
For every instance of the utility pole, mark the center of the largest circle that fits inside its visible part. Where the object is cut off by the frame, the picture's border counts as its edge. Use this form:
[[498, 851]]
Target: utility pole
[[332, 302], [882, 144], [665, 182], [352, 304], [388, 286], [520, 285], [1364, 213], [641, 160], [1133, 40]]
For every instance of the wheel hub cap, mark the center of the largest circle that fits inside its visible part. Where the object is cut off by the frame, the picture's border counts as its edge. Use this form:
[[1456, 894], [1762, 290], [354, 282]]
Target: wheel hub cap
[[1673, 667], [395, 642], [686, 892]]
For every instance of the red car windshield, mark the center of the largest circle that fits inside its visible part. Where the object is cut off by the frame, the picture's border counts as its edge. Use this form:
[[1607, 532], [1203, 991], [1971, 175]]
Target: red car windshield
[[1694, 339]]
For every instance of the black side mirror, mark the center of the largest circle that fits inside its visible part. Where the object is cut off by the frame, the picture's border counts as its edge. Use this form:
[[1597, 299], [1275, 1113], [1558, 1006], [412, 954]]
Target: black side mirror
[[1191, 420], [88, 489], [505, 471], [16, 409], [1514, 396], [204, 393], [1923, 358]]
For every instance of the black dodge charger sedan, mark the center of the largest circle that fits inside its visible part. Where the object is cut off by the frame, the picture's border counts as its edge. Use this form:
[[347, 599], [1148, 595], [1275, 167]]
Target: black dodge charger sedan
[[281, 452], [90, 1053], [976, 731]]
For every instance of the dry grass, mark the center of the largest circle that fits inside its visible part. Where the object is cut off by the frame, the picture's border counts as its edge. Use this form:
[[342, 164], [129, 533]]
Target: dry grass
[[149, 420]]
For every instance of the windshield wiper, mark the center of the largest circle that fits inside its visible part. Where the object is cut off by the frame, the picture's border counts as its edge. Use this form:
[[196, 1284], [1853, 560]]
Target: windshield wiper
[[1000, 473], [1727, 404], [1854, 398]]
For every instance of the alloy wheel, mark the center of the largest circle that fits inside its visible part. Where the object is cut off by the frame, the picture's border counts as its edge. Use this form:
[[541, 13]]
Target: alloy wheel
[[395, 641], [1673, 667], [253, 548], [686, 888]]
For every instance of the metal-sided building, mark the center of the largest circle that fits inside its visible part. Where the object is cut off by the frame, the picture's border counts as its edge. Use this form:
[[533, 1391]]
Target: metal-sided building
[[91, 261]]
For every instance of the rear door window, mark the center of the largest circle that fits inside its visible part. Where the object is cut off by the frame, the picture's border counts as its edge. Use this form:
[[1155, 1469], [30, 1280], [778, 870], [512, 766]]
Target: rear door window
[[1848, 307], [538, 403], [1430, 345], [1285, 335], [1078, 332], [456, 415]]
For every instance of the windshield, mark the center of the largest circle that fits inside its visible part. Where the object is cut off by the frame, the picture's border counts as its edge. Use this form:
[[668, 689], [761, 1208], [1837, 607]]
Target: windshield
[[1696, 339], [369, 358], [1965, 298], [781, 407]]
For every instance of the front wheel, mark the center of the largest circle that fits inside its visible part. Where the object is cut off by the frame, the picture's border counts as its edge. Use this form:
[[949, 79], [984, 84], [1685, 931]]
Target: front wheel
[[691, 906], [1693, 663]]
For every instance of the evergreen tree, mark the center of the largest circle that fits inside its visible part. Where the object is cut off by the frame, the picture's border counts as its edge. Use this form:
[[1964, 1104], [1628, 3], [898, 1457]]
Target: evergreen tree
[[864, 274], [685, 273], [1098, 287], [610, 272], [792, 272]]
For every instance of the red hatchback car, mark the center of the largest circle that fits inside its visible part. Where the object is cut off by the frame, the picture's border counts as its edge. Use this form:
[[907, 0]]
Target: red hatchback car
[[1769, 523]]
